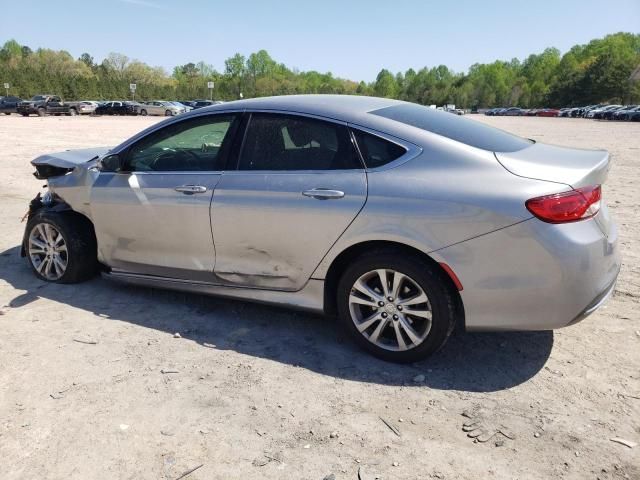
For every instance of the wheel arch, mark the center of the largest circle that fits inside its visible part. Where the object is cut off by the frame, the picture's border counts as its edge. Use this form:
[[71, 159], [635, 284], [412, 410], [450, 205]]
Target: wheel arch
[[343, 260], [58, 205]]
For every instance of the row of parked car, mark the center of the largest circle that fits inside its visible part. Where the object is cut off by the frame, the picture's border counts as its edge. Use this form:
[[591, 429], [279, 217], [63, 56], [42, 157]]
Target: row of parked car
[[42, 105], [599, 111]]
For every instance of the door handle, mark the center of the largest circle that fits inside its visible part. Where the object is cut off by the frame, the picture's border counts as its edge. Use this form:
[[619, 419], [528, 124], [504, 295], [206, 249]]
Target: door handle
[[191, 189], [323, 193]]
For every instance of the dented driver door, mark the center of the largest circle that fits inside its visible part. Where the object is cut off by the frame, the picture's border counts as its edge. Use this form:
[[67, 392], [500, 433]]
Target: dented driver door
[[153, 216]]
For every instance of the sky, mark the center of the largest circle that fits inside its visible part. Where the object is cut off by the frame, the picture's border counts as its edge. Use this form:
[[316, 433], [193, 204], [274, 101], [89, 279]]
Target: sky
[[353, 39]]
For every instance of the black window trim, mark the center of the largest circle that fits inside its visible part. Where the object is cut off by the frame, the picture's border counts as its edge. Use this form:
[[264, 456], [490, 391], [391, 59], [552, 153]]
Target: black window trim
[[411, 150], [227, 153], [243, 134]]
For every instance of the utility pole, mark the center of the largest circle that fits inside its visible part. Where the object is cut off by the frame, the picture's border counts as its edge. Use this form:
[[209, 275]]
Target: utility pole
[[132, 87], [6, 87], [210, 86]]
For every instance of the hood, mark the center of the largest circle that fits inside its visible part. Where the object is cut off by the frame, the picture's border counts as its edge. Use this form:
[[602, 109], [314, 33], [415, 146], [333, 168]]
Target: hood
[[56, 164]]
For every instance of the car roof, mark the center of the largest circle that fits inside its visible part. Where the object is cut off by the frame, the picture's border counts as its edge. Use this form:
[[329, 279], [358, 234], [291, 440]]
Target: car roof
[[348, 108]]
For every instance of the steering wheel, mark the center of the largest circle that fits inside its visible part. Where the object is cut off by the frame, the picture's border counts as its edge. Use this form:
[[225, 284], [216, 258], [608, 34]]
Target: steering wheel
[[170, 153]]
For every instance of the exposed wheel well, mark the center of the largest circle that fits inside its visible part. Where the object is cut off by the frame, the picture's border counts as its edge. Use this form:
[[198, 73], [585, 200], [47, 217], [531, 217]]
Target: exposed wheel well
[[342, 261], [58, 205]]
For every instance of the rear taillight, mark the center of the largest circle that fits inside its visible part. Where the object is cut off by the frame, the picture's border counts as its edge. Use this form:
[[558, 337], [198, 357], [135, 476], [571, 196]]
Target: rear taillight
[[564, 207]]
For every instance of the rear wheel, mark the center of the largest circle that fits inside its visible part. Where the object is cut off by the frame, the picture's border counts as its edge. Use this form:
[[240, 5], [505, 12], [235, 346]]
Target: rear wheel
[[61, 247], [73, 112], [399, 308], [168, 113], [7, 113], [42, 112], [143, 113]]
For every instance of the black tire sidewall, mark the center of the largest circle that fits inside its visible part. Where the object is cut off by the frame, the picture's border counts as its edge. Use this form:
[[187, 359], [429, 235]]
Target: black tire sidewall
[[427, 276]]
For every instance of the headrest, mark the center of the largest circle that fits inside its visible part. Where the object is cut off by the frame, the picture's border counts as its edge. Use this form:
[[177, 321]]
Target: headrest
[[300, 133]]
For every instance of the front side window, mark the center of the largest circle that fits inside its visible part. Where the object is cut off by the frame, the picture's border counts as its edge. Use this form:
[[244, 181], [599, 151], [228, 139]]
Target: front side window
[[377, 151], [288, 142], [191, 145]]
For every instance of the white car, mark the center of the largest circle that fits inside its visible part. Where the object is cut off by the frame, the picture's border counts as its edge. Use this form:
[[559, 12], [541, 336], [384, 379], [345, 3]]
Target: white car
[[161, 107]]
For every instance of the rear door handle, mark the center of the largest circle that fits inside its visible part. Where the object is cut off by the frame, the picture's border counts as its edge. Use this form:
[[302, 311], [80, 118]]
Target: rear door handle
[[323, 193], [191, 189]]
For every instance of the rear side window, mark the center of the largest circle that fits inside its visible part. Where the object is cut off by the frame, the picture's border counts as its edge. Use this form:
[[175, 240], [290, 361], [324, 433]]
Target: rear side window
[[377, 151], [469, 132], [288, 142]]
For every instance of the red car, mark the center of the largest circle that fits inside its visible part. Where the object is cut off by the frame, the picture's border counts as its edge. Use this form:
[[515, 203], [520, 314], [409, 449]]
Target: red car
[[547, 112]]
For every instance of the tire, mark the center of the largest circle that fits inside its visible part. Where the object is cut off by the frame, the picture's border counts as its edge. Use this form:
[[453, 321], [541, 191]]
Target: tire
[[79, 256], [24, 114], [42, 112], [73, 112], [143, 113], [7, 113], [168, 113], [441, 304]]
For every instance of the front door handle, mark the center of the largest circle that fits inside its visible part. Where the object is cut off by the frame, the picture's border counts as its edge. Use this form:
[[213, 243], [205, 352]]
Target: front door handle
[[323, 193], [191, 189]]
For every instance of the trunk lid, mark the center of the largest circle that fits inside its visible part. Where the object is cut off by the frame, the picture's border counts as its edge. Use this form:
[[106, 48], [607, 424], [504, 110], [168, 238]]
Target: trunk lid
[[570, 166]]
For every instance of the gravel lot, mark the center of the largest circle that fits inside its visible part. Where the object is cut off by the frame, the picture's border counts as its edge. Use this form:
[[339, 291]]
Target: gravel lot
[[265, 393]]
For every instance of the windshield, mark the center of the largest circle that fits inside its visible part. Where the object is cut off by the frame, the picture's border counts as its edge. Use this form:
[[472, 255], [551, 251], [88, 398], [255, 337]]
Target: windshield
[[469, 132], [38, 97]]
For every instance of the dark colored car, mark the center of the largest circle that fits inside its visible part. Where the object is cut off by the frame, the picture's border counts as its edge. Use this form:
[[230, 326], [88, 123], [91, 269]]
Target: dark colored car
[[187, 103], [9, 104], [513, 112], [576, 112], [43, 105], [632, 115], [204, 103], [118, 108], [619, 113], [608, 115]]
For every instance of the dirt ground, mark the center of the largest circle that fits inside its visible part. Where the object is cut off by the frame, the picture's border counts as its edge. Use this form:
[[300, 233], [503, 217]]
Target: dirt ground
[[263, 393]]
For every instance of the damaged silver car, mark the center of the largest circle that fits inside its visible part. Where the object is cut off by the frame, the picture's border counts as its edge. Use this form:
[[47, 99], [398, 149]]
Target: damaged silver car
[[403, 221]]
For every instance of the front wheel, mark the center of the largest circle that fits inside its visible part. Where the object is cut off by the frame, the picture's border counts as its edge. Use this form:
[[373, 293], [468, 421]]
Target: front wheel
[[168, 113], [42, 112], [143, 113], [61, 247], [399, 308]]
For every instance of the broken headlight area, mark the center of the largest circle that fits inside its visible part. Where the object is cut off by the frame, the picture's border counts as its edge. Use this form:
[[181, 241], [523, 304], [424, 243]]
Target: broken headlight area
[[44, 171]]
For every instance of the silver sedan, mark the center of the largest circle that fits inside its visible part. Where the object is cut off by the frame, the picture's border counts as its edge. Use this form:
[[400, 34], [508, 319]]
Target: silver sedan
[[160, 107], [403, 221]]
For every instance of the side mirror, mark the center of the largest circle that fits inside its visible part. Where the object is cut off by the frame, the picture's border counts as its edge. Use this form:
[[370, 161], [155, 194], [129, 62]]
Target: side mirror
[[110, 163]]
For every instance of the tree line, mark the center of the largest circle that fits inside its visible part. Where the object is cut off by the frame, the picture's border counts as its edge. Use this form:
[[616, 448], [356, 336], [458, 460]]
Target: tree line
[[599, 71]]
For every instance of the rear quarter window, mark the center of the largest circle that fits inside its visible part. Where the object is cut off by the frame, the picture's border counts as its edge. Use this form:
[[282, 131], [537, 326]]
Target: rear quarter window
[[463, 130], [377, 151]]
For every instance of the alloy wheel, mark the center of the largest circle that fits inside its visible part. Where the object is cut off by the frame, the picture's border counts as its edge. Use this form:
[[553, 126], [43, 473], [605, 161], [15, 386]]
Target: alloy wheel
[[390, 309], [48, 251]]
